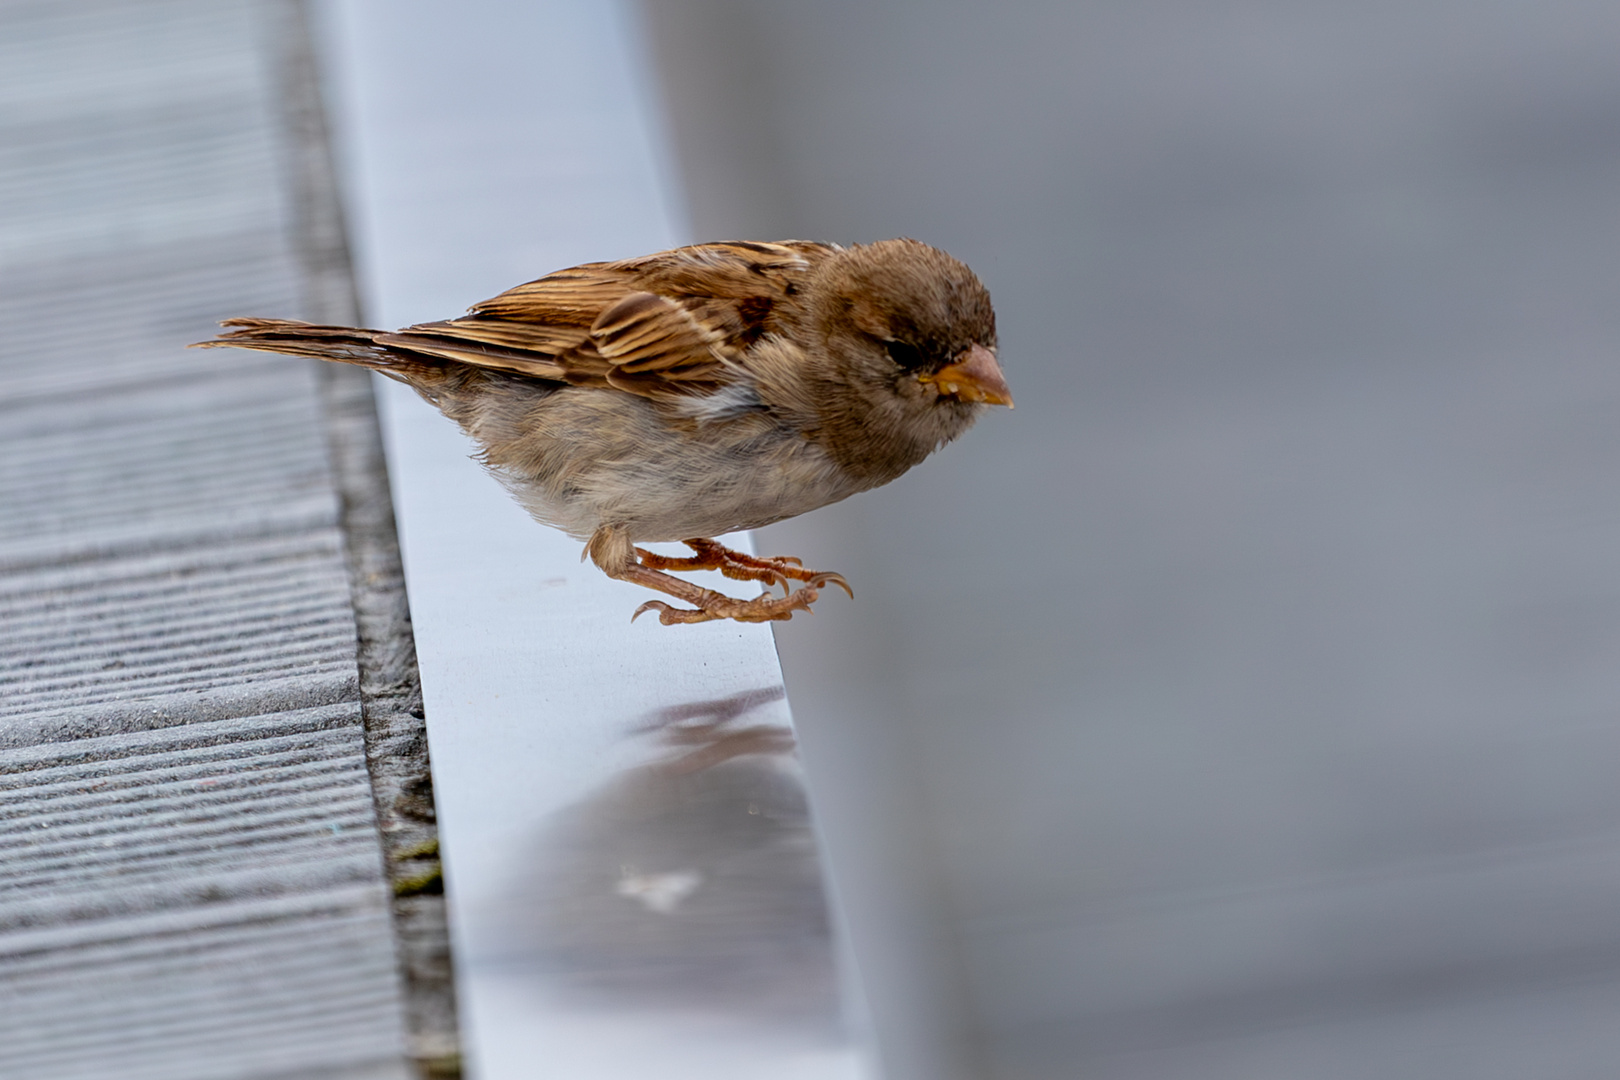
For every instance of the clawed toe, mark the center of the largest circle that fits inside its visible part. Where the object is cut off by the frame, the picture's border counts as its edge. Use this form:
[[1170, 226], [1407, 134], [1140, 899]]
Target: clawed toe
[[715, 605], [825, 576], [669, 615]]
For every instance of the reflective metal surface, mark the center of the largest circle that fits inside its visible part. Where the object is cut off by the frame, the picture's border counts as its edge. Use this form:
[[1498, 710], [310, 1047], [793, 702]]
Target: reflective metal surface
[[633, 876]]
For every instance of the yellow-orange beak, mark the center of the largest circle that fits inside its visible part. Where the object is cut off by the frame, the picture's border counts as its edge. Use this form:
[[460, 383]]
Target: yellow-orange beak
[[974, 377]]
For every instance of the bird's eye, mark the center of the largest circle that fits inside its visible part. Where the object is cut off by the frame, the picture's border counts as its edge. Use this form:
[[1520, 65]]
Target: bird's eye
[[907, 356]]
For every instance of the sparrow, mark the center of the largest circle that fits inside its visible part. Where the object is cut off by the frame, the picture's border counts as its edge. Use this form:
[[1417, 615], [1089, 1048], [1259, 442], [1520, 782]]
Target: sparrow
[[694, 392]]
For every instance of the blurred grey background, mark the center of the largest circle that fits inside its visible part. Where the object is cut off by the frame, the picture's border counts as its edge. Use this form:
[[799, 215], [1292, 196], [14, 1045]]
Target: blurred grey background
[[1245, 705]]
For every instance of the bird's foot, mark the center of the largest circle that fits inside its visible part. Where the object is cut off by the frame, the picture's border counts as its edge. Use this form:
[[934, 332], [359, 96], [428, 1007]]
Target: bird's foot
[[772, 570], [707, 604], [765, 608]]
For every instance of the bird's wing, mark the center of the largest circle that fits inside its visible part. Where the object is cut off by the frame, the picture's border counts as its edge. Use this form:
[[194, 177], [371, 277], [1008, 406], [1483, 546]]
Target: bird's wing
[[660, 324]]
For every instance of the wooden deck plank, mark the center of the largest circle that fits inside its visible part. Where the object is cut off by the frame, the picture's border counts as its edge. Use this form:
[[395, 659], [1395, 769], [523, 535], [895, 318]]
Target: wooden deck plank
[[192, 882]]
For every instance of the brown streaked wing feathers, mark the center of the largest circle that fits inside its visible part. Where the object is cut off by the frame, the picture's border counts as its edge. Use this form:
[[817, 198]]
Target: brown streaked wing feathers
[[646, 332], [659, 324], [548, 338], [538, 365], [567, 298]]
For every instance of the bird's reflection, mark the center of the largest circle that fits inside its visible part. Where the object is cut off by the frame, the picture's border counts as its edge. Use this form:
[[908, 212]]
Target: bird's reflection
[[690, 881]]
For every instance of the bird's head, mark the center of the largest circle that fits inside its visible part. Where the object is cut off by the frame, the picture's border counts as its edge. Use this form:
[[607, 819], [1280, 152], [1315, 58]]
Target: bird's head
[[905, 319]]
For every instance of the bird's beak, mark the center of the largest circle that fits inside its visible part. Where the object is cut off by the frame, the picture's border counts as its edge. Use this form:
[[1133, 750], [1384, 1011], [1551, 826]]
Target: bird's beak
[[974, 377]]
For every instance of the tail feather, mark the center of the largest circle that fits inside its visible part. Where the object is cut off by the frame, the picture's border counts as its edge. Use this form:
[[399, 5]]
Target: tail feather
[[342, 344]]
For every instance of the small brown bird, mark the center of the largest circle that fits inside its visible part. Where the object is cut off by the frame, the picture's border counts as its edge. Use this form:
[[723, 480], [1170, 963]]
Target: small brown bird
[[697, 391]]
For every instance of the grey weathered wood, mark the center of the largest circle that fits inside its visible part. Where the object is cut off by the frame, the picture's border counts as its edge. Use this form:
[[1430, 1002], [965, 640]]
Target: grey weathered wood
[[192, 883]]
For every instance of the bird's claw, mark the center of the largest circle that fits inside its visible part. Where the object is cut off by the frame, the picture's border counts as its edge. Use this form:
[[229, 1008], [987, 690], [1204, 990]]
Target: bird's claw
[[669, 615], [824, 577], [763, 608]]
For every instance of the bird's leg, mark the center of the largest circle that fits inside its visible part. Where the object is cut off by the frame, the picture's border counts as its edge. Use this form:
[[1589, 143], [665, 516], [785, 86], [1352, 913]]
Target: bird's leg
[[738, 566], [611, 550]]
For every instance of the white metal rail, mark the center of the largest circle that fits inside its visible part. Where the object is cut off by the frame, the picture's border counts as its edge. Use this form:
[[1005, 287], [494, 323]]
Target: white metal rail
[[633, 875]]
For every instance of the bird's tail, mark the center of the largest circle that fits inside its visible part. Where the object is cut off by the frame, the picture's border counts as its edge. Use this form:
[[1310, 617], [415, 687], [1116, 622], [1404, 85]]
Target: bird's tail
[[342, 344]]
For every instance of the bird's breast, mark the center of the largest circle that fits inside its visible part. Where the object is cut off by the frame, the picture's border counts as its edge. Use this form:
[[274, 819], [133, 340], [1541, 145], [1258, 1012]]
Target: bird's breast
[[589, 459]]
